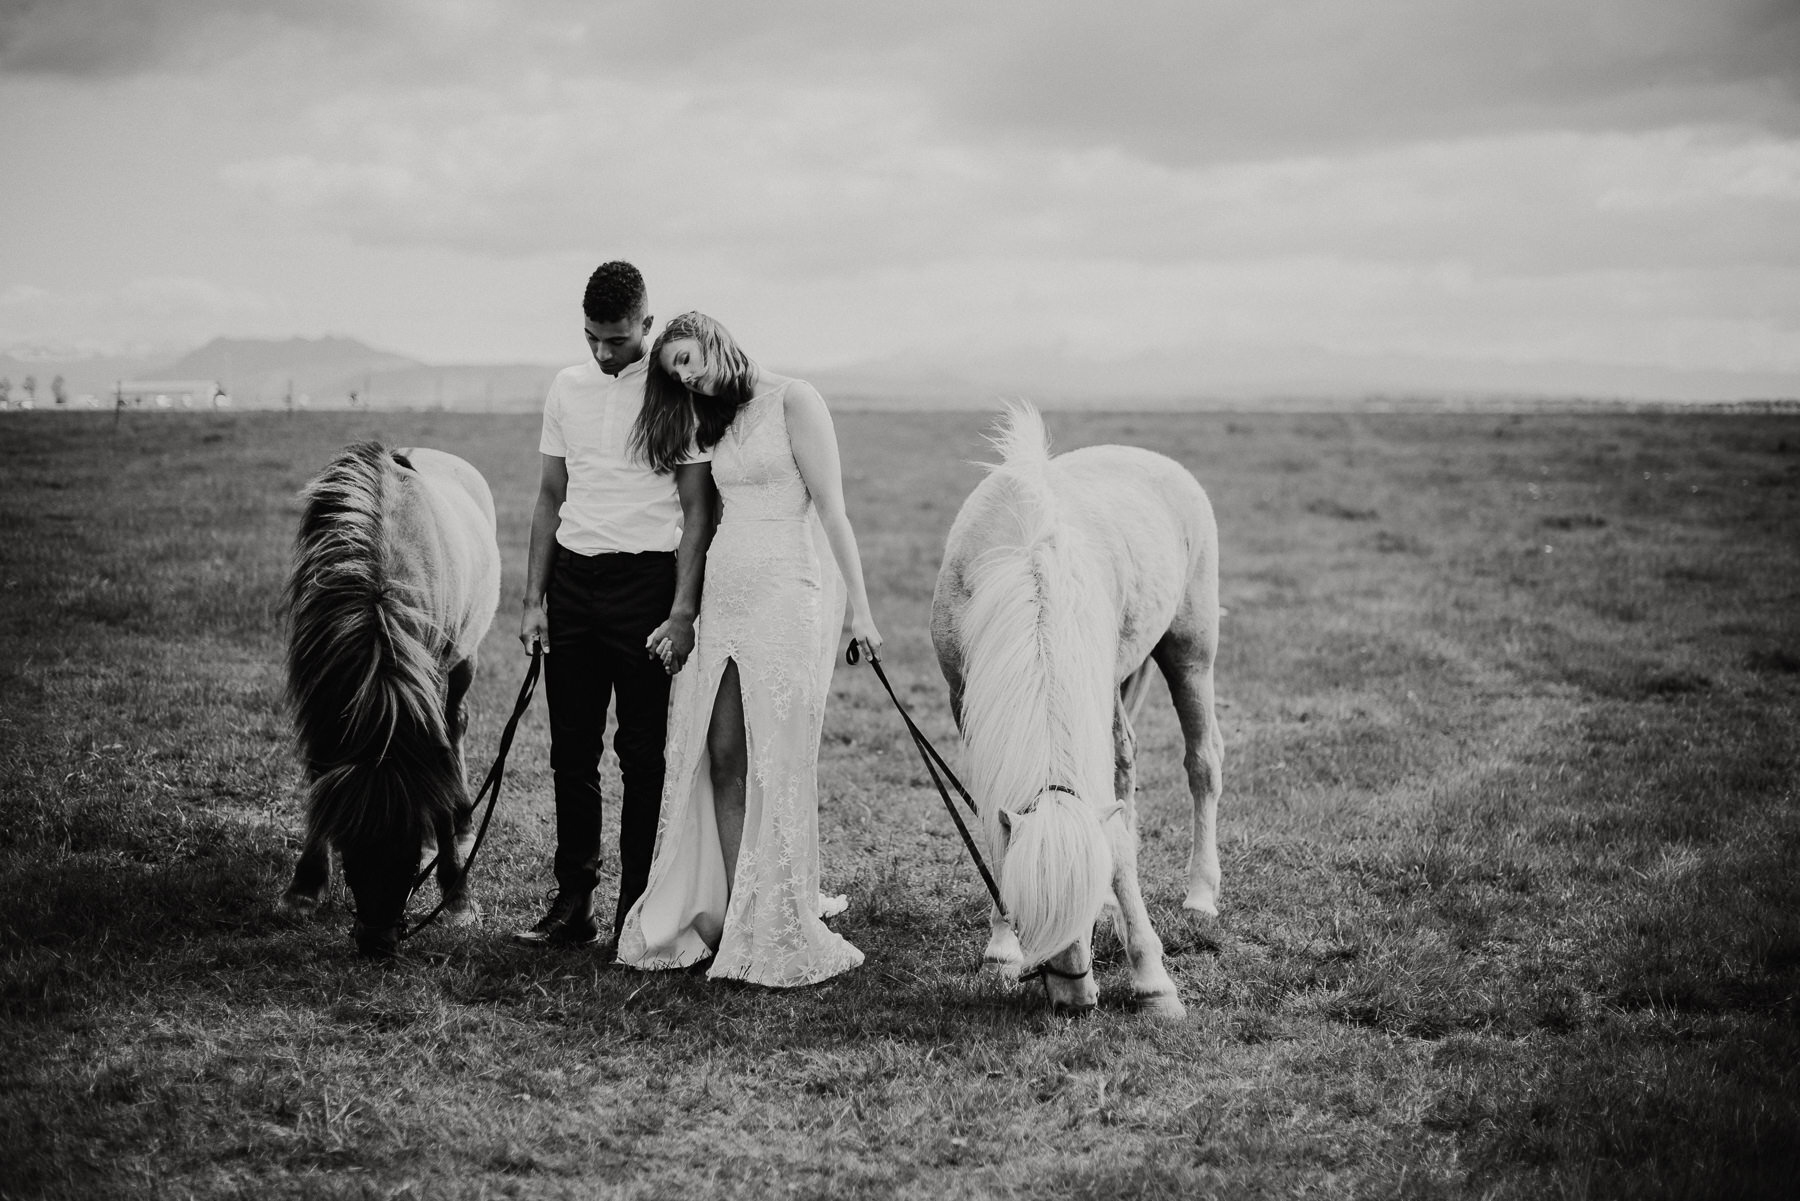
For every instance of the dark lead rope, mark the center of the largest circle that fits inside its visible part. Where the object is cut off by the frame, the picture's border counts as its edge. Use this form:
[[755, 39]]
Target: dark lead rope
[[495, 773], [934, 762]]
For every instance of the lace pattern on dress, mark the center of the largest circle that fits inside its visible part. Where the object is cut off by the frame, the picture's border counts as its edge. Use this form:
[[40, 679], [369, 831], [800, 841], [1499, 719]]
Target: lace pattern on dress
[[773, 602]]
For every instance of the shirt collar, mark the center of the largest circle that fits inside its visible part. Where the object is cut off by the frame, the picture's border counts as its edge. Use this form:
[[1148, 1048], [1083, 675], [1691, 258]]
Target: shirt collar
[[635, 371]]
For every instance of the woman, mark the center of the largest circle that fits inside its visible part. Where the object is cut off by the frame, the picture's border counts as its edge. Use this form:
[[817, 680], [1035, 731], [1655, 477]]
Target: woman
[[736, 873]]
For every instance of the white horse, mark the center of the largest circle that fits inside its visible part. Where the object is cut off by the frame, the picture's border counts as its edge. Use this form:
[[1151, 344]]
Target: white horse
[[396, 579], [1062, 579]]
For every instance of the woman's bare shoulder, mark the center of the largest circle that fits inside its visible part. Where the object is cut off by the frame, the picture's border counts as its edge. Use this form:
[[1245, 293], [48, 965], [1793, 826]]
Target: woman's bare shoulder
[[797, 393]]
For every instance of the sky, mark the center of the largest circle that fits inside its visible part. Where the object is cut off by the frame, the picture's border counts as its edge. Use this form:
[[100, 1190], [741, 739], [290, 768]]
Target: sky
[[1207, 190]]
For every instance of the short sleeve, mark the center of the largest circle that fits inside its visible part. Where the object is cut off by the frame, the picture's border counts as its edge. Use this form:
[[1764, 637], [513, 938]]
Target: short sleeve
[[550, 441], [694, 454]]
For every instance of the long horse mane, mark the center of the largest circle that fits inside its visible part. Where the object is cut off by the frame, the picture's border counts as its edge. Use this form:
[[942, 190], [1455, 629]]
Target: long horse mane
[[364, 681], [1037, 669]]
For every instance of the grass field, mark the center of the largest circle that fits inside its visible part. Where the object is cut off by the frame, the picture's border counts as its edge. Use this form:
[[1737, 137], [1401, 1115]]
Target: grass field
[[1510, 837]]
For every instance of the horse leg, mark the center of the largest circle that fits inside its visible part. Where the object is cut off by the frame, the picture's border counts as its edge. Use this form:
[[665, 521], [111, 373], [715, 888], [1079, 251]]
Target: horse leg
[[1069, 982], [311, 874], [1133, 691], [1150, 982], [1003, 953], [452, 878], [1185, 654], [456, 723], [454, 837]]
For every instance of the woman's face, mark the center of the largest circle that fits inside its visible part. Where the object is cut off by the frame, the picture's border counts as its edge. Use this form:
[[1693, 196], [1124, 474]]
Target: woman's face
[[685, 359]]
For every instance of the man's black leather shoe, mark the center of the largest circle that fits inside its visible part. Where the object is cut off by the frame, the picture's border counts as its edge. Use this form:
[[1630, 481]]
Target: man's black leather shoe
[[570, 923]]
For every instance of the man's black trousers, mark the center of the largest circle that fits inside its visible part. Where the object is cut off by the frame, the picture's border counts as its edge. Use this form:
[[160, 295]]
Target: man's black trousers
[[602, 608]]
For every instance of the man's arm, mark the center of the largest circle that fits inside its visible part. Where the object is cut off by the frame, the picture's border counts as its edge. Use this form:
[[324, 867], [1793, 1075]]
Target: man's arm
[[553, 486], [699, 518]]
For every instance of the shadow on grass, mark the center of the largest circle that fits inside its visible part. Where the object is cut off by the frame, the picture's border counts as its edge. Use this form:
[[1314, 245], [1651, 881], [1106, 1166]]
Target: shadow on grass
[[1668, 1111], [86, 926]]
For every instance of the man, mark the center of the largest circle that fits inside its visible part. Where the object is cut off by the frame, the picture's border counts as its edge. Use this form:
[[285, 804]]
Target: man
[[611, 591]]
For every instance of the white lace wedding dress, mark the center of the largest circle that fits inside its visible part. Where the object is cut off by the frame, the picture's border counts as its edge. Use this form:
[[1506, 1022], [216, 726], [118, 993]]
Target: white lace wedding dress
[[773, 600]]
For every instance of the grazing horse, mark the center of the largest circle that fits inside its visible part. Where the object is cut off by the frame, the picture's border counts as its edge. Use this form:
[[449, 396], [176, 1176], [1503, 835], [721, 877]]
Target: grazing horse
[[1063, 578], [396, 579]]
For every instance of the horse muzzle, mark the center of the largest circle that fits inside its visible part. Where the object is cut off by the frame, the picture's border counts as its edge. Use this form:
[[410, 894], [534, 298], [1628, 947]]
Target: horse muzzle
[[377, 942]]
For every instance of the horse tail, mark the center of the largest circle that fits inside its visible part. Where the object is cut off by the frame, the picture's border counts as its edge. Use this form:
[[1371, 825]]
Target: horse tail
[[364, 676], [1043, 544], [1057, 873], [1021, 439]]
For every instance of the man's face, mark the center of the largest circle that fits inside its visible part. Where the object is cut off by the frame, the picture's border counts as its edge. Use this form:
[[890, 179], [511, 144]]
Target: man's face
[[616, 345]]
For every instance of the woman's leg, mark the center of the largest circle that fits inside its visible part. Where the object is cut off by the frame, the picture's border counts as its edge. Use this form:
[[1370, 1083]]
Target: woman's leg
[[728, 763]]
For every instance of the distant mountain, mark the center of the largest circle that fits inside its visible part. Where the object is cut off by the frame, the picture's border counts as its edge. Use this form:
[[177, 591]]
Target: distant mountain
[[323, 372], [253, 369], [245, 361]]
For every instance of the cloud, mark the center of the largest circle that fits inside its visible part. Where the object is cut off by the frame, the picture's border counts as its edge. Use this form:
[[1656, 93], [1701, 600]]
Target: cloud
[[820, 178], [1175, 81], [1577, 177], [1181, 83], [104, 38], [801, 175]]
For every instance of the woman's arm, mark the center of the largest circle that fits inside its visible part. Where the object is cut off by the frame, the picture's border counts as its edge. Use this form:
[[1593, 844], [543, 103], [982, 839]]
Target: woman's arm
[[814, 441], [699, 518]]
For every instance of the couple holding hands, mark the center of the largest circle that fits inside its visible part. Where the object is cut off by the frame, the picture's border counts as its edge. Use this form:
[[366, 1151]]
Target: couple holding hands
[[689, 564]]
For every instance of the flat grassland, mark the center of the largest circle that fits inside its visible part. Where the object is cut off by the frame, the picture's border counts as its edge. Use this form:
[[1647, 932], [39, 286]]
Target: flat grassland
[[1510, 834]]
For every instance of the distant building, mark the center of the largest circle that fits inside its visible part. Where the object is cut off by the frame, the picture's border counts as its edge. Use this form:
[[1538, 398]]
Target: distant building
[[162, 393]]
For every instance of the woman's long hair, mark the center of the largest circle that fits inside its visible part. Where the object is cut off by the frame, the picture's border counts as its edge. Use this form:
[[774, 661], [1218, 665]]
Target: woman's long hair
[[672, 416]]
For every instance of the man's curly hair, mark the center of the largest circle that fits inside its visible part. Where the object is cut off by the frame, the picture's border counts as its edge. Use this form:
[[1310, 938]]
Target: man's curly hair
[[615, 292]]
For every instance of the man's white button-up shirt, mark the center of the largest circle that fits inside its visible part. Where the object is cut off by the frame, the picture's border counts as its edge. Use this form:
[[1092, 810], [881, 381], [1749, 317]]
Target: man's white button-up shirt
[[614, 501]]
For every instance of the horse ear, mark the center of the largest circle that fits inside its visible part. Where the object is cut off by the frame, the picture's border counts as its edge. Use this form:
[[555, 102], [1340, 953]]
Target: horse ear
[[1006, 820], [1111, 811]]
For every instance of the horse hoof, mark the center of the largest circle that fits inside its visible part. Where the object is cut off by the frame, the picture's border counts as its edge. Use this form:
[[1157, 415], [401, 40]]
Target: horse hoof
[[1201, 905], [299, 904], [1163, 1006], [468, 914]]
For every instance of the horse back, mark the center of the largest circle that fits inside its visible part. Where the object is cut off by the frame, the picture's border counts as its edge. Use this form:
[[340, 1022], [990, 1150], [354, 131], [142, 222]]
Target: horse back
[[1149, 524], [446, 512]]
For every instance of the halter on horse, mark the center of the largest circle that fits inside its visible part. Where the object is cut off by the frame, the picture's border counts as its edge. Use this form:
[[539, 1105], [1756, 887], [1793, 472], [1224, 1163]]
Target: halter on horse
[[396, 579], [1062, 579]]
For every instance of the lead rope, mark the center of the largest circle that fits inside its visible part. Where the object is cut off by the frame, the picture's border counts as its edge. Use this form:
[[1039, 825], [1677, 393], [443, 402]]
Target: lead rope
[[934, 762], [494, 776]]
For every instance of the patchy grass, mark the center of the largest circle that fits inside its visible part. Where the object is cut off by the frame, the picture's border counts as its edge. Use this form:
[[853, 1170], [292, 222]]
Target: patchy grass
[[1510, 843]]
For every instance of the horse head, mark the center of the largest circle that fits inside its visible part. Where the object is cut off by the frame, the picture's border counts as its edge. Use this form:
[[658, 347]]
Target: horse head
[[380, 817], [379, 872], [1056, 868]]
